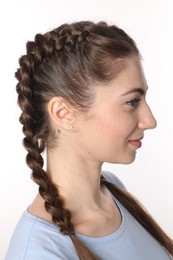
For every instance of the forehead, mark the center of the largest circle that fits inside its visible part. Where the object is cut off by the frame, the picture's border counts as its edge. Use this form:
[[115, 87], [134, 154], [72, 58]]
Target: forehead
[[130, 79]]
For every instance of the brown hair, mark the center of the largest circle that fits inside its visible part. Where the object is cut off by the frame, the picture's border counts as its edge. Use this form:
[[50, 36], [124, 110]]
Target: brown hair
[[66, 62]]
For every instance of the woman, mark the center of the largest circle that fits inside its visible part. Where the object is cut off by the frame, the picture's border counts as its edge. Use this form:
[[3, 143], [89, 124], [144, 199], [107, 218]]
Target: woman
[[81, 89]]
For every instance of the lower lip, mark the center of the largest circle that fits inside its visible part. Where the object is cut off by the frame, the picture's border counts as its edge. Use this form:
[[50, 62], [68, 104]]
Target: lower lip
[[136, 143]]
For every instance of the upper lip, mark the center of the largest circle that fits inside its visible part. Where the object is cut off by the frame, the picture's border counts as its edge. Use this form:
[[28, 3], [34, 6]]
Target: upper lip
[[137, 139]]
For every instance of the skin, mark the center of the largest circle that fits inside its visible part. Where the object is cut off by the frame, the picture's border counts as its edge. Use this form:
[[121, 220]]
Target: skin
[[105, 133]]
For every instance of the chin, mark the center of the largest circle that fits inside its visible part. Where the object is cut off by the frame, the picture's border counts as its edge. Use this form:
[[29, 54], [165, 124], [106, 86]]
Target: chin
[[124, 160], [130, 160]]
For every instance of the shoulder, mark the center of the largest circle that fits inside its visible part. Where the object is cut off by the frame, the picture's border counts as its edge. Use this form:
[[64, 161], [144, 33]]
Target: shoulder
[[113, 178], [36, 239]]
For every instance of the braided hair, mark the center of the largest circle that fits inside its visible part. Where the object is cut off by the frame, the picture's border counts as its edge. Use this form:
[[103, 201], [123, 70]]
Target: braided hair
[[66, 62]]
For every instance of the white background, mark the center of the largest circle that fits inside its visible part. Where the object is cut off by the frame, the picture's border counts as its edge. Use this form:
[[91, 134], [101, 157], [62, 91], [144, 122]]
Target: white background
[[150, 23]]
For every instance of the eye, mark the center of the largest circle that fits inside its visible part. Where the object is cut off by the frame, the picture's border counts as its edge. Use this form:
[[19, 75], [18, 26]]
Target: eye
[[133, 102]]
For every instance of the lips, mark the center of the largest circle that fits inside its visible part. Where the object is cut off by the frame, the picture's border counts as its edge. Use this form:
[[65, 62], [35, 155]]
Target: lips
[[137, 142]]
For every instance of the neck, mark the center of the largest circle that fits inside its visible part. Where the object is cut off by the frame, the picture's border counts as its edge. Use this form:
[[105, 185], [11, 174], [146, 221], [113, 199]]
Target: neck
[[93, 211], [78, 181]]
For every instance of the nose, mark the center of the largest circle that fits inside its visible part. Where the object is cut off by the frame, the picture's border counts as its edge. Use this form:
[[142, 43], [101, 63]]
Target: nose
[[147, 120]]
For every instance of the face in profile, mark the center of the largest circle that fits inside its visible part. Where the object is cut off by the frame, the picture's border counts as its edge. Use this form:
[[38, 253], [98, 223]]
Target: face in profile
[[113, 128]]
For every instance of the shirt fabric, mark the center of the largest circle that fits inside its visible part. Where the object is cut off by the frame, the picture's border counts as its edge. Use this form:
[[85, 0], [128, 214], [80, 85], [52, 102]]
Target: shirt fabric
[[37, 239]]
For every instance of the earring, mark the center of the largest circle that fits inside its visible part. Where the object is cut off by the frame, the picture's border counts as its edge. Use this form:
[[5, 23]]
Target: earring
[[71, 126]]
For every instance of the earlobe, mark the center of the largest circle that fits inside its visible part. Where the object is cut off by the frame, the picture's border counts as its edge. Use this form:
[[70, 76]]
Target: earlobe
[[60, 113]]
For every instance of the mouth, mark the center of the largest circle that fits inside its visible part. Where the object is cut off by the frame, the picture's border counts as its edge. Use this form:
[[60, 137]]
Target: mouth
[[136, 142]]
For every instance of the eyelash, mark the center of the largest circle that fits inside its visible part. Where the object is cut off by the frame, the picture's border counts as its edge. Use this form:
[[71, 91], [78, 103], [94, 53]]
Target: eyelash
[[133, 102]]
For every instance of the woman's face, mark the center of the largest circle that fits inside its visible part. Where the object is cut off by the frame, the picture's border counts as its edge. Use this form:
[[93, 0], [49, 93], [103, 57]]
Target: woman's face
[[114, 126]]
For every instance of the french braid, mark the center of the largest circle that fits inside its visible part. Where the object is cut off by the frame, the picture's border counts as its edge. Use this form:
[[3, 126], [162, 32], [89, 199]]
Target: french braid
[[140, 214], [34, 140], [65, 62]]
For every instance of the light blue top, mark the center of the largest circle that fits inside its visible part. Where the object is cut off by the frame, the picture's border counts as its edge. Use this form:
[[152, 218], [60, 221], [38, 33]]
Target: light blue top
[[37, 239]]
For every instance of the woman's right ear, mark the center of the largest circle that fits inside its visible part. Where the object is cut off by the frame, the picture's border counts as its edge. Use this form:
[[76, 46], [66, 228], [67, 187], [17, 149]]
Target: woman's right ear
[[60, 113]]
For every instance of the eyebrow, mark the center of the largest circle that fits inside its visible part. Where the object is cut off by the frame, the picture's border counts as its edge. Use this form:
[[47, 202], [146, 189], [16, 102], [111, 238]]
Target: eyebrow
[[141, 91]]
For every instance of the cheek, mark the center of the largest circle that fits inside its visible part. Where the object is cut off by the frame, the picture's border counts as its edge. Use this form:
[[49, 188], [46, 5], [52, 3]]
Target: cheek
[[105, 137], [107, 127], [119, 125]]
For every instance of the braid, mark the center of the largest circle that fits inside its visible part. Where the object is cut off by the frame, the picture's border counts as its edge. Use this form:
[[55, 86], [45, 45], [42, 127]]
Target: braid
[[36, 52], [140, 214], [67, 62]]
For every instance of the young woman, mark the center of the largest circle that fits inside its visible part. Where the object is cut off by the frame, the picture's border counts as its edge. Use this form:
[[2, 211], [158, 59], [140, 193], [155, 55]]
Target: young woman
[[82, 90]]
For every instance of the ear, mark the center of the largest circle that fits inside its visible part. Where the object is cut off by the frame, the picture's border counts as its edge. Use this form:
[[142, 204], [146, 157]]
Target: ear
[[61, 113]]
